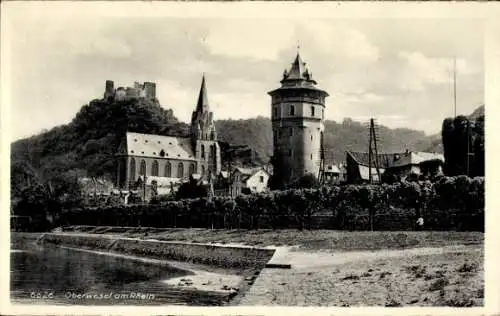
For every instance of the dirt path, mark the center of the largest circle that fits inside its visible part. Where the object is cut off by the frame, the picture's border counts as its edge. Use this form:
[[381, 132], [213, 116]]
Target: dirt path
[[372, 278], [319, 260]]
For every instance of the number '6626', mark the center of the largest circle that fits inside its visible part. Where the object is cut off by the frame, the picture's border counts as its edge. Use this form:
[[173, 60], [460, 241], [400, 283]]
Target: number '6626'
[[42, 295]]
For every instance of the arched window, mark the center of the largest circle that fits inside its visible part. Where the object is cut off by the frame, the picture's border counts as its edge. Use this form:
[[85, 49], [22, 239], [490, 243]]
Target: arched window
[[213, 152], [180, 170], [191, 168], [132, 169], [142, 170], [168, 170], [154, 169], [202, 151]]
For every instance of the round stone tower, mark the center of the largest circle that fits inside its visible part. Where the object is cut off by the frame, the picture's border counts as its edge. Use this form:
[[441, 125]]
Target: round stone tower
[[297, 114]]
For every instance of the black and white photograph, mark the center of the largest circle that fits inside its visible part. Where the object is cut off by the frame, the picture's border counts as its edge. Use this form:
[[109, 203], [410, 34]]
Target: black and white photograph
[[195, 155]]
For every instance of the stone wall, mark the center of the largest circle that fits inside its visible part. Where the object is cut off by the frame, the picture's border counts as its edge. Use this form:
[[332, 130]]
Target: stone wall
[[216, 255]]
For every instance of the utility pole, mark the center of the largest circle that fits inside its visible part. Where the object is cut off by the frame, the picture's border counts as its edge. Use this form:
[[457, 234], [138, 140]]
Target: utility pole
[[454, 87], [373, 152], [321, 176]]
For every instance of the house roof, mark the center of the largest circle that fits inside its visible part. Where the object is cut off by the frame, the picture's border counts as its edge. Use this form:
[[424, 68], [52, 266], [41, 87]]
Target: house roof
[[393, 160], [148, 145], [332, 169], [99, 185], [248, 172]]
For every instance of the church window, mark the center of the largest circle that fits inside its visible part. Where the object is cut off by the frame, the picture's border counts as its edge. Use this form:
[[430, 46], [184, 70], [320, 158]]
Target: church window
[[292, 110], [154, 169], [132, 169], [202, 151], [213, 152], [180, 170], [312, 110], [191, 169], [168, 170], [142, 169]]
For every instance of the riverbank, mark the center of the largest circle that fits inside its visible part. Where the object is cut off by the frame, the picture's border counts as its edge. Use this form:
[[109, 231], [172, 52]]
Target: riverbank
[[332, 268], [306, 240]]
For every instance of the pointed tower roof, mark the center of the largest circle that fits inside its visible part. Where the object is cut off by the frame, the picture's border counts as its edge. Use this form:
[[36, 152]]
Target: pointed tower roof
[[298, 68], [298, 71], [202, 104]]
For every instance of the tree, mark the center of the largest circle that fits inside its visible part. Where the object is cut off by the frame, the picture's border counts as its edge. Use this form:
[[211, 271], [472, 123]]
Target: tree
[[307, 181]]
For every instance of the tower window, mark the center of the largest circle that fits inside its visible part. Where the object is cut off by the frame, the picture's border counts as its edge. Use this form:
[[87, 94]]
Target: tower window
[[292, 110], [311, 156], [202, 151], [312, 110], [311, 137]]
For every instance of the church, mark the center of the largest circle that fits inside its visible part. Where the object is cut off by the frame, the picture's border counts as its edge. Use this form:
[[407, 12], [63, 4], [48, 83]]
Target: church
[[167, 160]]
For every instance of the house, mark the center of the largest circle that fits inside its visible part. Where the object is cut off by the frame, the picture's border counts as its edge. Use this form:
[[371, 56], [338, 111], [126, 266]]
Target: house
[[333, 174], [242, 181], [397, 165], [248, 180]]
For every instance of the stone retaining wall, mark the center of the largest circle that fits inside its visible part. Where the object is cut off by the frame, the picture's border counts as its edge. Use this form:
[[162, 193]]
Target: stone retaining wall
[[216, 255]]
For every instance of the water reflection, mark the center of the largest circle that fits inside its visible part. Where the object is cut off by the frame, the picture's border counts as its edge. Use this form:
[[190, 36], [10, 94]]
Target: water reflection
[[59, 275]]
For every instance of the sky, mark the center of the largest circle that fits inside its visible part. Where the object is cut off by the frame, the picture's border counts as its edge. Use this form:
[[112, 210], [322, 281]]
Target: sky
[[399, 71]]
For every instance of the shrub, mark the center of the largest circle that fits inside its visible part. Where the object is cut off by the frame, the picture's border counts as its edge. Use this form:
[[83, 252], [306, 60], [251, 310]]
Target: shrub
[[450, 203]]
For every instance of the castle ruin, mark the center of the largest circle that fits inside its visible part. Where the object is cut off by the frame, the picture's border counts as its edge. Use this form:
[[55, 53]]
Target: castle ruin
[[147, 90]]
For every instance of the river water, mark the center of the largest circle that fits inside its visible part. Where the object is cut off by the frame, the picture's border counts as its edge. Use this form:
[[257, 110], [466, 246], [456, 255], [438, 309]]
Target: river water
[[60, 276]]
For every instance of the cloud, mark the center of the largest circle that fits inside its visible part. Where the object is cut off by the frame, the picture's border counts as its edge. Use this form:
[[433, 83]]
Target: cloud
[[253, 38], [421, 70], [340, 42]]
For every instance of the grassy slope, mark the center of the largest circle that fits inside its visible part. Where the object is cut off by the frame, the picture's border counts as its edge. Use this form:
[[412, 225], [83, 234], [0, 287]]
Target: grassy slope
[[307, 240]]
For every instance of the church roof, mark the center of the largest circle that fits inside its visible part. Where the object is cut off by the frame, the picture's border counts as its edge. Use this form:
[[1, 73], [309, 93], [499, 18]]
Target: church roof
[[202, 104], [147, 145]]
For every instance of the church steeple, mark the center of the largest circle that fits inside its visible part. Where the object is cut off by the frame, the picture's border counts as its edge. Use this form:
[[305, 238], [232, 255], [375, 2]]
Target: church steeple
[[202, 119], [202, 104]]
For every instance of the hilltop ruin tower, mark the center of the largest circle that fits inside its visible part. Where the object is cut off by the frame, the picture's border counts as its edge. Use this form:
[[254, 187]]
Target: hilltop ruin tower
[[297, 115]]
